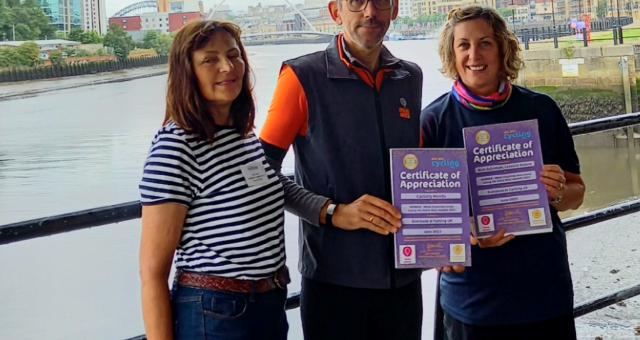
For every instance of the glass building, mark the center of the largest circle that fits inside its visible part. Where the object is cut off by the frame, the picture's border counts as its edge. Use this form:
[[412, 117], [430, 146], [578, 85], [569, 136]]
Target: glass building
[[64, 14]]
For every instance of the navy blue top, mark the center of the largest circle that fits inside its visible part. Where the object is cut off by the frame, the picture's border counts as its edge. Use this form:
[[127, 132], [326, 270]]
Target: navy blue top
[[527, 279]]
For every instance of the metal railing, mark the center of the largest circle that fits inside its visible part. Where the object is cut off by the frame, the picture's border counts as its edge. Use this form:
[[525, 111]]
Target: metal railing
[[89, 218]]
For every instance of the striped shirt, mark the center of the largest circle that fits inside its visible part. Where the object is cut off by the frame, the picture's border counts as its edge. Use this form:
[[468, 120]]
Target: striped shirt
[[235, 220]]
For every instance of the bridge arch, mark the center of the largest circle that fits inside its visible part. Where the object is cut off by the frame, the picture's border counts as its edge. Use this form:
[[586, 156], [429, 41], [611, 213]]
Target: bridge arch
[[146, 4]]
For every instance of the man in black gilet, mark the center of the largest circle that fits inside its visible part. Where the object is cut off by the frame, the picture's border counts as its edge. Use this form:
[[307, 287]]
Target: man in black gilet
[[343, 109]]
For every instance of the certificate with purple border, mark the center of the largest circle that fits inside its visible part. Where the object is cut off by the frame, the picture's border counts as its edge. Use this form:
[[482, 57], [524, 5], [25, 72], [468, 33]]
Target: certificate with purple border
[[505, 162], [430, 188]]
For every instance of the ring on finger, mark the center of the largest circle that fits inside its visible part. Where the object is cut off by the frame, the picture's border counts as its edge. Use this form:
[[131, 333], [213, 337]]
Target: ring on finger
[[561, 188], [370, 219]]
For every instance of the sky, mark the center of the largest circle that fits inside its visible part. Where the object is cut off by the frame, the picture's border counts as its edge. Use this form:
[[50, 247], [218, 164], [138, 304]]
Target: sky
[[112, 6]]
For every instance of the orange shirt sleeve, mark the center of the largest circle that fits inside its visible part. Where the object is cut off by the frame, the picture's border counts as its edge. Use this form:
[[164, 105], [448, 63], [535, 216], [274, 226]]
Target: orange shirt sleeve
[[287, 117]]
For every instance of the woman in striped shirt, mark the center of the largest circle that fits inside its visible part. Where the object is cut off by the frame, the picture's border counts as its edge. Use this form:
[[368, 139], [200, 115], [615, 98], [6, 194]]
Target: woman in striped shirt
[[209, 195]]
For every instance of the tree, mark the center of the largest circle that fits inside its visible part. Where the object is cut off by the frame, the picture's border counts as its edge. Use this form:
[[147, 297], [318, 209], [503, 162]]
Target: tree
[[161, 43], [26, 19], [505, 13], [164, 48], [56, 57], [602, 9], [27, 54], [91, 37], [30, 53], [119, 40], [9, 57], [151, 39], [75, 34]]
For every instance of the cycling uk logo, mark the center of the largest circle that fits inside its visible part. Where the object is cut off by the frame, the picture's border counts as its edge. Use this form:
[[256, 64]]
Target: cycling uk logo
[[407, 254], [485, 223]]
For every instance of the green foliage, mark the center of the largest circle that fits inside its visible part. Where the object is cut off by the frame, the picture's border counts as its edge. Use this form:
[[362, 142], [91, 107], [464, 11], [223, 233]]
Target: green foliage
[[56, 58], [505, 13], [26, 19], [27, 54], [30, 52], [75, 34], [569, 51], [119, 40], [602, 9], [91, 37], [9, 57], [436, 19], [161, 43], [432, 18]]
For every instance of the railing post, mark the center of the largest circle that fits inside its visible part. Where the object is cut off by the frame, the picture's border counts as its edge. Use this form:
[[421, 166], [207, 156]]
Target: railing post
[[555, 38], [620, 35], [615, 36], [632, 151], [626, 83]]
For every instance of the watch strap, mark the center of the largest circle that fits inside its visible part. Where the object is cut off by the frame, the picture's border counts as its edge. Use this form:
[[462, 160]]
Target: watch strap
[[331, 208]]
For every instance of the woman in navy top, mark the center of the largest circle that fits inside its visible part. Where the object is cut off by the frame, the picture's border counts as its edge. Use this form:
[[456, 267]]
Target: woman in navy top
[[517, 288]]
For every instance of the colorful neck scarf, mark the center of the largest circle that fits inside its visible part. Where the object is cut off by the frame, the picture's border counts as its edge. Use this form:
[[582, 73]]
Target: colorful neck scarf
[[480, 103]]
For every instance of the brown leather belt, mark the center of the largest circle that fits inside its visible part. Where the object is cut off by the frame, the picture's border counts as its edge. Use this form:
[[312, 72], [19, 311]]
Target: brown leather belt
[[279, 279]]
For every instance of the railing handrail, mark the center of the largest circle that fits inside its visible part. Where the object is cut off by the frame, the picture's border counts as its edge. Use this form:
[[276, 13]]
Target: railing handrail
[[51, 225], [606, 123]]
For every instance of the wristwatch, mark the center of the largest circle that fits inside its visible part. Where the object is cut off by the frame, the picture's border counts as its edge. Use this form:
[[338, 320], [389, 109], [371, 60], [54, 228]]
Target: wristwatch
[[331, 208], [557, 200]]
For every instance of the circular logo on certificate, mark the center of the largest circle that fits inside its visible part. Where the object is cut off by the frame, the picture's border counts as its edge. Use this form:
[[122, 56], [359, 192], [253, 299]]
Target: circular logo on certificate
[[485, 220], [458, 249], [536, 214], [407, 251], [410, 161], [483, 137]]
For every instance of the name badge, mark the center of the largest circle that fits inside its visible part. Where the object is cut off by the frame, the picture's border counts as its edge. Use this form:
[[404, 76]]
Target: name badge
[[254, 174]]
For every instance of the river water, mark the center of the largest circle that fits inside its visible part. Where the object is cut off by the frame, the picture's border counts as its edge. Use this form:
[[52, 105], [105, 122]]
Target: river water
[[81, 148]]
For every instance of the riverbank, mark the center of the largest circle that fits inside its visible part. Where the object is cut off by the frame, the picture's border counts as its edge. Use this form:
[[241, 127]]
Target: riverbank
[[584, 104], [605, 258], [33, 87]]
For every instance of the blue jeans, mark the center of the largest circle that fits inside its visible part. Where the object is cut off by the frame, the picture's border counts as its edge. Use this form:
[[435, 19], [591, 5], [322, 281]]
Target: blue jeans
[[207, 314]]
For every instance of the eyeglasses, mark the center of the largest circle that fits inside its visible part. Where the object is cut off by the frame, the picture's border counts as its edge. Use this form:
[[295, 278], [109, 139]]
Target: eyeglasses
[[361, 5]]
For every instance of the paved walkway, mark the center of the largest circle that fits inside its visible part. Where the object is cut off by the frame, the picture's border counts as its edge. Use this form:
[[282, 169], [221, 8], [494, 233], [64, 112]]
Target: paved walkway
[[32, 87], [605, 258]]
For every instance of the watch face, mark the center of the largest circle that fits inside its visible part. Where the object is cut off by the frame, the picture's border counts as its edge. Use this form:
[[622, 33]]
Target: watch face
[[331, 208]]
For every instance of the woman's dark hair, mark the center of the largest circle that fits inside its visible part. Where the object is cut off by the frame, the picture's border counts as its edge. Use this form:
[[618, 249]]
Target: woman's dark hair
[[185, 104]]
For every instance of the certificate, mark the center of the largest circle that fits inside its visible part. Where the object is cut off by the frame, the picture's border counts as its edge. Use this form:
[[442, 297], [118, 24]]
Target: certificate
[[505, 162], [430, 189]]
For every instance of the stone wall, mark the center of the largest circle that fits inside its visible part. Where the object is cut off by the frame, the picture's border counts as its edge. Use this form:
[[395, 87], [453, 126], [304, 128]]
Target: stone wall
[[584, 68], [597, 67]]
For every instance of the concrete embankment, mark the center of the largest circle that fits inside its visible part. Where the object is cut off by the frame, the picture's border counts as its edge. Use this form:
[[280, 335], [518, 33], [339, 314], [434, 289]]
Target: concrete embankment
[[29, 88], [587, 82]]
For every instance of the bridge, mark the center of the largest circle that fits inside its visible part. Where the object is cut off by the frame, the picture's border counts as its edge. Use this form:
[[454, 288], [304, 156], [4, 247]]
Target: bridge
[[137, 6], [286, 33], [153, 5]]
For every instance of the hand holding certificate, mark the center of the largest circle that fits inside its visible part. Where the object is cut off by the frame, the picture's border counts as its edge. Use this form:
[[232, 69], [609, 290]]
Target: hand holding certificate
[[429, 187], [505, 167]]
